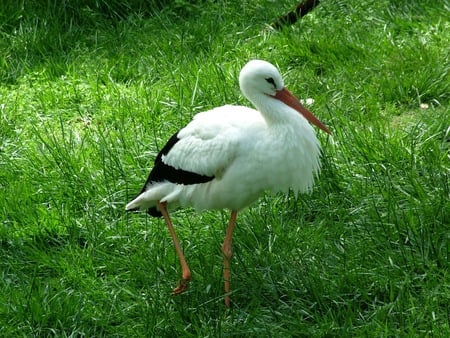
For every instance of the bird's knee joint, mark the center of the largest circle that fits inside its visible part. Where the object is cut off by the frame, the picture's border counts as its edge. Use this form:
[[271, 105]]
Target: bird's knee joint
[[227, 252]]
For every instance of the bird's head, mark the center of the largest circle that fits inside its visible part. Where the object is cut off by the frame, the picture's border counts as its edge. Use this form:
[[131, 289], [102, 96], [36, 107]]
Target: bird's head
[[260, 79]]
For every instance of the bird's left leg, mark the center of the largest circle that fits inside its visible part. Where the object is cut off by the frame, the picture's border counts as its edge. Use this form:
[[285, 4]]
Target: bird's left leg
[[227, 253], [183, 284]]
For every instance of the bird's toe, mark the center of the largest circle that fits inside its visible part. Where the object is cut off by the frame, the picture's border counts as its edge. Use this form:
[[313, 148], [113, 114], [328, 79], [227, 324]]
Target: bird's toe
[[183, 285]]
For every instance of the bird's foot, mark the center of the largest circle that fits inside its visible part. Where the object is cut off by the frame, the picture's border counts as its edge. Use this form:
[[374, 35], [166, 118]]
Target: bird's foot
[[183, 285], [227, 301]]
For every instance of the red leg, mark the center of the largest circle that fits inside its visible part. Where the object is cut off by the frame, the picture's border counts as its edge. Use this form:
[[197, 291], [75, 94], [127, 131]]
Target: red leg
[[227, 253], [183, 284]]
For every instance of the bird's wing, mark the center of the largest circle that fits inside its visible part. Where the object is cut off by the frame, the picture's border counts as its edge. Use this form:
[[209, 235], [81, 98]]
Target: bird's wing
[[208, 144]]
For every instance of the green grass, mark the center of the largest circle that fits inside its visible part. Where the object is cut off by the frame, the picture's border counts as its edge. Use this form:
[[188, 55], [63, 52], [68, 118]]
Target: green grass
[[91, 90]]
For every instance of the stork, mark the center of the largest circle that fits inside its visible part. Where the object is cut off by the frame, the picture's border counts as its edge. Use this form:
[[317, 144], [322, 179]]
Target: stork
[[225, 158]]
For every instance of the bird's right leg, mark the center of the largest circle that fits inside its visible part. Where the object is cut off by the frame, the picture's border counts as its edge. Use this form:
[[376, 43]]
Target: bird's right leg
[[183, 284], [227, 253]]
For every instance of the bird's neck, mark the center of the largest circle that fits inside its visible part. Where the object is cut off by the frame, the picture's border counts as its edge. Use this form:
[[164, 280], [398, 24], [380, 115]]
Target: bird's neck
[[276, 112]]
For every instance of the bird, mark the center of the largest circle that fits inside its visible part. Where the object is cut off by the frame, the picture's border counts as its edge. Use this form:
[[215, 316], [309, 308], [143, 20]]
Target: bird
[[227, 157]]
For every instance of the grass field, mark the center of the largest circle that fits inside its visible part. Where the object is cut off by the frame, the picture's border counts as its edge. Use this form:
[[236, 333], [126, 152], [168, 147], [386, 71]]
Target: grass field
[[91, 90]]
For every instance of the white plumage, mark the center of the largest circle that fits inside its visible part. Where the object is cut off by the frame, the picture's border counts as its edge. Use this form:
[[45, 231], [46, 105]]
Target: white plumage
[[230, 155]]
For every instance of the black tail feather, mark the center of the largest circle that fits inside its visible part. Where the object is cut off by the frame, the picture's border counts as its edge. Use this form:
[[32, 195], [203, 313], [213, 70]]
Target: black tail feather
[[153, 211]]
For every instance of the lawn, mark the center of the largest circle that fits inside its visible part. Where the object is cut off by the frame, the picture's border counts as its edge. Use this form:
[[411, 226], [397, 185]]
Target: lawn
[[91, 90]]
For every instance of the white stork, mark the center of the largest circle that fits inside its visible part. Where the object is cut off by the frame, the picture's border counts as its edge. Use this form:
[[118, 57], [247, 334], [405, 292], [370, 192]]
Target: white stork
[[228, 156]]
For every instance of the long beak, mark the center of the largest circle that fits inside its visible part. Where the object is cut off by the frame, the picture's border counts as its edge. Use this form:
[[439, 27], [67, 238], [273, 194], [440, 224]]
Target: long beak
[[285, 96]]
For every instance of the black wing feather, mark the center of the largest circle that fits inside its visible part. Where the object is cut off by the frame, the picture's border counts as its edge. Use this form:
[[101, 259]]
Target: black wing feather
[[163, 172]]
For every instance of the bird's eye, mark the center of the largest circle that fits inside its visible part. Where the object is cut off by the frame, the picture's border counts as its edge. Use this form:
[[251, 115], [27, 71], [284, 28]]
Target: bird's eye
[[271, 81]]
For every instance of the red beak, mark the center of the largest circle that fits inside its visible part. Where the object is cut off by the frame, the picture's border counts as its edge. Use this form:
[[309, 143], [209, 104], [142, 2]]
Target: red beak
[[285, 96]]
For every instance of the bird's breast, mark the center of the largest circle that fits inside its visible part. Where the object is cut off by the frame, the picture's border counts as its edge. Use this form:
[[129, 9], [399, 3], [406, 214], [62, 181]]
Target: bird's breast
[[285, 158]]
